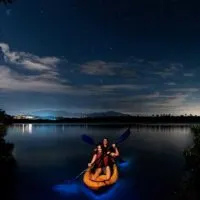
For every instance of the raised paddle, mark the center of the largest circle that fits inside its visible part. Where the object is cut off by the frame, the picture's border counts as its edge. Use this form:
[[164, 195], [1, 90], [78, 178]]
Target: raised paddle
[[123, 137], [90, 141], [87, 139]]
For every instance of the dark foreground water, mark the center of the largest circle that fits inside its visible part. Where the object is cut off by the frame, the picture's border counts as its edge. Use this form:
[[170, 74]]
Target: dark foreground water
[[48, 155]]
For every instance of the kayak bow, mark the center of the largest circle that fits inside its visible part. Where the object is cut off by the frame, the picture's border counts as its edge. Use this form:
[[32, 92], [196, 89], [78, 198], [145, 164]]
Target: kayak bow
[[100, 183]]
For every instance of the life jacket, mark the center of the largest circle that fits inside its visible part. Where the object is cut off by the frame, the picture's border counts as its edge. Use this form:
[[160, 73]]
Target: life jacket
[[99, 160], [108, 160]]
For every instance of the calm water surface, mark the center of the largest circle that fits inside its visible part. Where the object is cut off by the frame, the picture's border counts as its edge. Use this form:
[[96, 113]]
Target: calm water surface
[[48, 155]]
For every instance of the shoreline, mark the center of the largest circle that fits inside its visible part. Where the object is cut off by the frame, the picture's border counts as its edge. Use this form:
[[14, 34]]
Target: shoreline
[[107, 124]]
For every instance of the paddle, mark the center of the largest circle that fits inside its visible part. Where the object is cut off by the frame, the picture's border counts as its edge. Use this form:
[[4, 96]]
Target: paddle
[[87, 139], [90, 141], [123, 137], [74, 179]]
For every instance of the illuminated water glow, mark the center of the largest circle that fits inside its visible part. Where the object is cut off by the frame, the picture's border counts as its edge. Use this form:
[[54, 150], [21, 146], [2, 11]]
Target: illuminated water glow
[[30, 127], [67, 189], [123, 164], [126, 164], [75, 188], [112, 192], [23, 129]]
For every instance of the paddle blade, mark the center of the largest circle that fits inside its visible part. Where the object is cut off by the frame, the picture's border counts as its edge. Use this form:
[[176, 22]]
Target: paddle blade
[[124, 136], [88, 139]]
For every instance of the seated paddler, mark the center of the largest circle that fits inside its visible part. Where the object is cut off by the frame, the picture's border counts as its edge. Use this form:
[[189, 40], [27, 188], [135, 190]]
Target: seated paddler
[[102, 161], [106, 146]]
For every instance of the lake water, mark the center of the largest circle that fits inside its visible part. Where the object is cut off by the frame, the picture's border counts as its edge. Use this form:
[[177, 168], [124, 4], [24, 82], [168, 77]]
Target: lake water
[[49, 154]]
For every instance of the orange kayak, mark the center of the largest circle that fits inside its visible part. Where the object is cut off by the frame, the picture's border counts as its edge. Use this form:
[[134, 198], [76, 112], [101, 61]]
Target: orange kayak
[[100, 182]]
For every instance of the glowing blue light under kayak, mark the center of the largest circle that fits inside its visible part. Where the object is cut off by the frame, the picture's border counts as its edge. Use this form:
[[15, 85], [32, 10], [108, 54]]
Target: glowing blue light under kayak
[[111, 192], [123, 164], [67, 189], [75, 188]]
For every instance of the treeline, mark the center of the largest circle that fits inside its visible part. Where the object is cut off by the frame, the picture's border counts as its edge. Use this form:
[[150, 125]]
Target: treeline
[[7, 166], [163, 118], [5, 118], [189, 189], [121, 119]]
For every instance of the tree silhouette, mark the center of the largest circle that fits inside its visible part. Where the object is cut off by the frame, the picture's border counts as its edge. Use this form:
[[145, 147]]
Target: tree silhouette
[[190, 184], [3, 131], [7, 165], [2, 115]]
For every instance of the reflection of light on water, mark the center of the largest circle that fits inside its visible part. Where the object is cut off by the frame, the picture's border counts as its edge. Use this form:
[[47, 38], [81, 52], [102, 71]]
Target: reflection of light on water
[[22, 128], [111, 193], [124, 164], [67, 189], [27, 128], [30, 128], [75, 188]]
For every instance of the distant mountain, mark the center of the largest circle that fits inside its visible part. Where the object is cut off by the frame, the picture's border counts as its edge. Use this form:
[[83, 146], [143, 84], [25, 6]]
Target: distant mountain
[[61, 113], [55, 113], [107, 114]]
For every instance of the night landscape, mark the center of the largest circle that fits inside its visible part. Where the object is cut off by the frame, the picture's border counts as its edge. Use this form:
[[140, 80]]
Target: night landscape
[[77, 73]]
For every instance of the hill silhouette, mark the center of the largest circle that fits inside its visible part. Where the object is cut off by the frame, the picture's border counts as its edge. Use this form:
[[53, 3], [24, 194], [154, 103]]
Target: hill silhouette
[[116, 119], [110, 117]]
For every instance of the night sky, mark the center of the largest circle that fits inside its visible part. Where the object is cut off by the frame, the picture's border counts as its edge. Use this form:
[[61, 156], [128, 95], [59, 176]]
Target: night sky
[[137, 57]]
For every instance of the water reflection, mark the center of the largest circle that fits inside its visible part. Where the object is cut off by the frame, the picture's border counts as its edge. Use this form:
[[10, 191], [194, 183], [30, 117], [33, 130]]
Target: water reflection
[[182, 129], [55, 152], [26, 128], [22, 128]]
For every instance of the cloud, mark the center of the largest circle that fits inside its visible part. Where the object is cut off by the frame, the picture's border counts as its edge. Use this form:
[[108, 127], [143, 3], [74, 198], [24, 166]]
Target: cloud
[[13, 81], [102, 68], [8, 12], [26, 72], [41, 73], [152, 97], [164, 74], [154, 103], [169, 69], [183, 89], [124, 86], [27, 60], [175, 66], [188, 74], [171, 101], [170, 83], [128, 73], [99, 67], [102, 90], [131, 68]]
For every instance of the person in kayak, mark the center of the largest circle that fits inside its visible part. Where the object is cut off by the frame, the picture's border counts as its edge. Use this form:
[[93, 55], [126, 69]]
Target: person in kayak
[[106, 147], [97, 162], [103, 161]]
